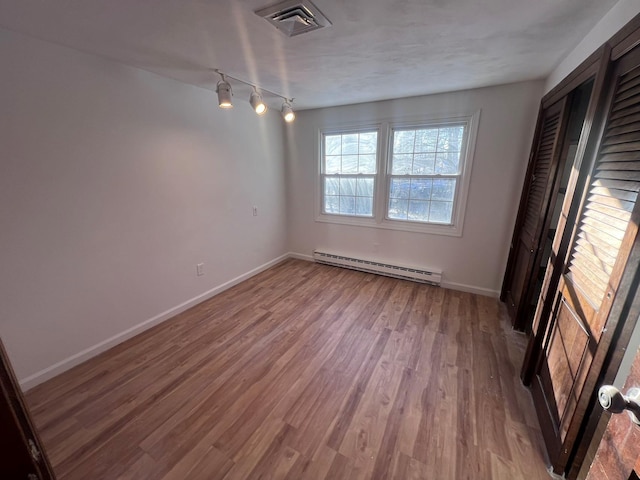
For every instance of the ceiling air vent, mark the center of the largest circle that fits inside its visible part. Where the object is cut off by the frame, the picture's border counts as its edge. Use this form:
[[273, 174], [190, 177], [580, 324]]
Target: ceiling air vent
[[294, 17]]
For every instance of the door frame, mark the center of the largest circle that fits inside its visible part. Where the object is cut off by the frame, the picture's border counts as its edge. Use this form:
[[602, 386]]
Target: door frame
[[598, 69], [591, 68], [626, 305], [625, 309], [519, 312]]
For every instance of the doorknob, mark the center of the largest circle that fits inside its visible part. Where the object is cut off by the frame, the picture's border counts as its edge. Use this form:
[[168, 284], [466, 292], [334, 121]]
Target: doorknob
[[614, 401]]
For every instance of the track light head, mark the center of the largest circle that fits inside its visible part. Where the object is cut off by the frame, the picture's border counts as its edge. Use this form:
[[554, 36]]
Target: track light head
[[257, 103], [224, 94], [287, 112]]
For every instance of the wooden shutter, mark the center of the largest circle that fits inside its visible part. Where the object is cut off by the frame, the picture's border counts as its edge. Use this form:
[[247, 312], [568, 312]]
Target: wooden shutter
[[542, 170], [612, 193]]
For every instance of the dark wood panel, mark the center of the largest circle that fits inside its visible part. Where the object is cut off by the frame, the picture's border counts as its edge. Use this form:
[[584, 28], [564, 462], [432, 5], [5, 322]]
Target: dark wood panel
[[537, 196], [21, 453]]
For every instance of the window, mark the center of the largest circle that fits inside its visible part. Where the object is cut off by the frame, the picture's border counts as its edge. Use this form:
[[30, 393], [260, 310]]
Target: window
[[349, 170], [399, 175], [425, 168]]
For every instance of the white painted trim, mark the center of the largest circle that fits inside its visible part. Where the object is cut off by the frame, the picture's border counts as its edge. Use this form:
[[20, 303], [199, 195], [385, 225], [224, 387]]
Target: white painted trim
[[84, 355], [485, 292], [301, 256], [385, 128]]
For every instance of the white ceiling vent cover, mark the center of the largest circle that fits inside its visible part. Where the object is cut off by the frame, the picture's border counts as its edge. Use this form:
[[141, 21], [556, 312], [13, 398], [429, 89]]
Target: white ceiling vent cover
[[294, 17]]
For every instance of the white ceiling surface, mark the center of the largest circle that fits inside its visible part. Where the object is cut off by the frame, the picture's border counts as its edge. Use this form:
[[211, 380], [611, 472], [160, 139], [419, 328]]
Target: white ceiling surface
[[376, 49]]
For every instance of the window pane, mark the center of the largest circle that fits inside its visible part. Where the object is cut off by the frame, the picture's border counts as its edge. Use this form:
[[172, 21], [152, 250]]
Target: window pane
[[368, 142], [367, 164], [364, 206], [345, 156], [424, 164], [441, 212], [450, 138], [350, 144], [401, 164], [403, 141], [418, 210], [349, 164], [400, 188], [425, 152], [348, 205], [426, 140], [332, 164], [331, 204], [420, 189], [333, 144], [448, 163], [443, 189], [347, 186], [331, 186], [364, 187], [398, 209]]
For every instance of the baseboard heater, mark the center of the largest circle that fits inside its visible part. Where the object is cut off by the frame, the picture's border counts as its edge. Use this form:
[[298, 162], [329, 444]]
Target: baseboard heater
[[431, 276]]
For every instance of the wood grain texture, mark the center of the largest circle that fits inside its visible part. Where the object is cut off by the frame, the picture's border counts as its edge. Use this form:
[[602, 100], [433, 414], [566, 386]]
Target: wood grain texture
[[303, 372]]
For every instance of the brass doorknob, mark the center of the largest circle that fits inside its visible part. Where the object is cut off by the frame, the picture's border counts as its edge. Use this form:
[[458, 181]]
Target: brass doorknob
[[614, 401]]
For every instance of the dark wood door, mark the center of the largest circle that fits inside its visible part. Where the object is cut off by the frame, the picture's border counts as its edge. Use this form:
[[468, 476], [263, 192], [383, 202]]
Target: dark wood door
[[21, 452], [534, 207], [602, 237], [618, 456]]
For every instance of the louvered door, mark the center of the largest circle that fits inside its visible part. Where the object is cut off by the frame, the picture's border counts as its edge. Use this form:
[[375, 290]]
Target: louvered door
[[601, 240], [521, 270]]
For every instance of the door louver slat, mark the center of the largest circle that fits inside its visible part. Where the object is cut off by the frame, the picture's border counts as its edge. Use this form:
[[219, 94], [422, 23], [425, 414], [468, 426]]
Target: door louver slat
[[629, 92], [619, 114], [623, 138], [603, 253], [623, 104], [622, 166], [625, 120], [541, 173], [612, 201], [612, 194]]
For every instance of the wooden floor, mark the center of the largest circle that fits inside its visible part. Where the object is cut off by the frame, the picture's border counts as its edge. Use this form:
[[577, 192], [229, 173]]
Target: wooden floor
[[303, 372]]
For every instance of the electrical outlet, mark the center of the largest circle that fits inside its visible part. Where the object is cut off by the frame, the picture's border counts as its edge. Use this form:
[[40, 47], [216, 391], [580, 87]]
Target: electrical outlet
[[255, 211], [200, 269]]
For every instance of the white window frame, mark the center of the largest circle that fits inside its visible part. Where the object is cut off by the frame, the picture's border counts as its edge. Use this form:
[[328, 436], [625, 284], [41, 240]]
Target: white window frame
[[376, 176], [382, 181]]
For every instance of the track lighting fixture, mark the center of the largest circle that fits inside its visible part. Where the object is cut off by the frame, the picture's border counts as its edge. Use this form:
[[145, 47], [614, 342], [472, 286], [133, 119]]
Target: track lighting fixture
[[224, 93], [255, 99], [257, 103], [287, 112]]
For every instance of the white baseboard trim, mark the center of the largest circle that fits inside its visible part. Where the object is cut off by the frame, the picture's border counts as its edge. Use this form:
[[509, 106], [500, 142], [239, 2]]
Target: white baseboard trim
[[450, 285], [486, 292], [301, 256], [84, 355]]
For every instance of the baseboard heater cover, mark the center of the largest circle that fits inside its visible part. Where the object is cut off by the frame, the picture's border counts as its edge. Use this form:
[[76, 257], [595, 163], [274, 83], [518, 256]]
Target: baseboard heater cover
[[430, 276]]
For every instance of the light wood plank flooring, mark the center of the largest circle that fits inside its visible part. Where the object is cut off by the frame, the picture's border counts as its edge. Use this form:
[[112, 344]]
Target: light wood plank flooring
[[303, 372]]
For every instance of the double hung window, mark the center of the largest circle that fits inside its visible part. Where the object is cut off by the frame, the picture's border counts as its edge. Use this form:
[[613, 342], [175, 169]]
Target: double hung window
[[349, 173], [404, 176], [424, 173]]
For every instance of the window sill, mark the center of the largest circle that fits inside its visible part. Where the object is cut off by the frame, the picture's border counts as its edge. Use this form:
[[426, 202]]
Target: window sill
[[447, 230]]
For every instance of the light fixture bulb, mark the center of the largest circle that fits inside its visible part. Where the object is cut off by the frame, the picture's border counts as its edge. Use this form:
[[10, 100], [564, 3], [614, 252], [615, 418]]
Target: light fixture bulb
[[287, 112], [257, 103], [224, 94]]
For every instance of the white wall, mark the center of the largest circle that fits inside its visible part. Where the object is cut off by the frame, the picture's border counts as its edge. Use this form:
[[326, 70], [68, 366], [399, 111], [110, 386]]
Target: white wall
[[475, 261], [621, 13], [114, 184]]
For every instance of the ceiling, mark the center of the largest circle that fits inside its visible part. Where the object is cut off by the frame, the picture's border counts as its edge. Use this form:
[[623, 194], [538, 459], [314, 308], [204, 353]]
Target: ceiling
[[376, 49]]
